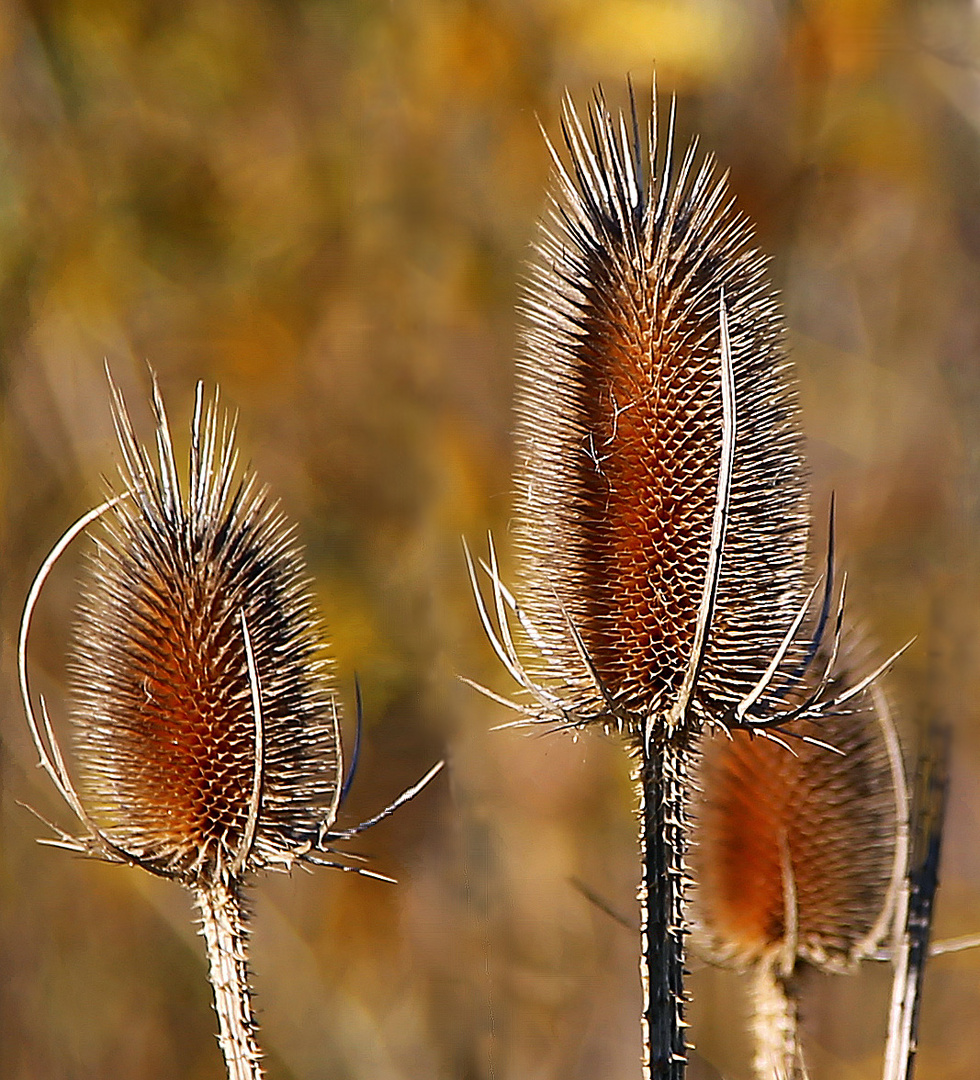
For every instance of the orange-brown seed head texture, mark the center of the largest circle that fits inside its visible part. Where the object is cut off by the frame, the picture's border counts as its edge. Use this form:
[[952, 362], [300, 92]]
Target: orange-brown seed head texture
[[828, 819], [161, 693], [620, 429]]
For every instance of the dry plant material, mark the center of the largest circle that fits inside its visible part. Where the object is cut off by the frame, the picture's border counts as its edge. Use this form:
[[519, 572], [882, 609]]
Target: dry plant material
[[915, 905], [662, 515], [798, 859], [206, 721]]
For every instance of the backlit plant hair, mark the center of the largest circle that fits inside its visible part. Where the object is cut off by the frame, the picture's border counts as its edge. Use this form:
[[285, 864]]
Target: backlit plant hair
[[206, 721], [662, 516]]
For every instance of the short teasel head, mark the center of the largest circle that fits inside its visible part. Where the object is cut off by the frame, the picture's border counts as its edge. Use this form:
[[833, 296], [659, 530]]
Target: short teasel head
[[206, 724], [205, 718], [800, 855]]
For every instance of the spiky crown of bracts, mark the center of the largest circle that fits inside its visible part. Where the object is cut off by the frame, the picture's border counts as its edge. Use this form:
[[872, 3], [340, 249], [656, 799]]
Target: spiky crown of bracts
[[620, 419], [205, 717]]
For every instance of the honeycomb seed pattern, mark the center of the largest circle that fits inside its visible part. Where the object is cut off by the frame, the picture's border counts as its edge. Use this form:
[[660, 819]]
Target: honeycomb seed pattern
[[619, 429]]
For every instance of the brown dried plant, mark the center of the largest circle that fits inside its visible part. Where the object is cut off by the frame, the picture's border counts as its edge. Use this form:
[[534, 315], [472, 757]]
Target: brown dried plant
[[662, 517], [799, 860], [205, 714]]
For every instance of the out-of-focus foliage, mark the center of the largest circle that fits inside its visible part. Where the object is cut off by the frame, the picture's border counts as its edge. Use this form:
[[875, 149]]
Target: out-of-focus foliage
[[326, 207]]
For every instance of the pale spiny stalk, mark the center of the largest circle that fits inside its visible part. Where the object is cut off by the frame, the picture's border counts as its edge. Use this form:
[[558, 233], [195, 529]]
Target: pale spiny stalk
[[226, 937], [775, 1023], [205, 715]]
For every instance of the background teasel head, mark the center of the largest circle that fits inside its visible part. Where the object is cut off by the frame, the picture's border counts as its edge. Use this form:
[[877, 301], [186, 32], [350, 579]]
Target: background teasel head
[[800, 851], [798, 858]]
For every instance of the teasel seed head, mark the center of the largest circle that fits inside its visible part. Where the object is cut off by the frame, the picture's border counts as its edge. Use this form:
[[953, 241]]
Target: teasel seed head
[[800, 853], [799, 857], [662, 515], [204, 712], [205, 716], [621, 436]]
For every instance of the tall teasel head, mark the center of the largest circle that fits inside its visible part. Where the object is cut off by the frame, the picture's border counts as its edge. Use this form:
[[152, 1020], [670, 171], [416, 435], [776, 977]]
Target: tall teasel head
[[662, 514], [662, 510]]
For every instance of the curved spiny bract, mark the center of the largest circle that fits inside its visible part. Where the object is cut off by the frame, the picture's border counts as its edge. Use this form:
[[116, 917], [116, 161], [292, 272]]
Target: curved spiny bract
[[915, 906], [798, 857], [201, 761], [620, 423]]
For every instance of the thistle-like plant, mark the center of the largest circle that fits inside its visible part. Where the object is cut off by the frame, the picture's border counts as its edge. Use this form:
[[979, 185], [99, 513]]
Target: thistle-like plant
[[798, 859], [205, 714], [662, 517]]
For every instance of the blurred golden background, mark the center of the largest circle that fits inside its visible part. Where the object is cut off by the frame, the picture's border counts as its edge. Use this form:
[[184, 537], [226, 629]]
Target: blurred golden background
[[326, 208]]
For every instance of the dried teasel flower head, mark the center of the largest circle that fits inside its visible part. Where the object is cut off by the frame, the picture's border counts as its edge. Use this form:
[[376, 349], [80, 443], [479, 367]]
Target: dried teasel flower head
[[206, 722], [621, 416], [801, 853], [206, 719], [662, 517], [798, 857]]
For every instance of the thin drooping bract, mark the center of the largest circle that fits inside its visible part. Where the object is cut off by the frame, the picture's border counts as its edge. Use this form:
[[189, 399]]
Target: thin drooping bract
[[662, 517], [206, 723]]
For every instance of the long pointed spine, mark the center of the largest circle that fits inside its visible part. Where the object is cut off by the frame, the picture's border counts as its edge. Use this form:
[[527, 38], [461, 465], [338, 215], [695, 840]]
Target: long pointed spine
[[226, 936], [662, 783]]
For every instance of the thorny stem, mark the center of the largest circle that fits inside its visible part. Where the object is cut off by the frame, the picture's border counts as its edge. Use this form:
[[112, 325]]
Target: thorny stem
[[223, 923], [775, 1024], [662, 783]]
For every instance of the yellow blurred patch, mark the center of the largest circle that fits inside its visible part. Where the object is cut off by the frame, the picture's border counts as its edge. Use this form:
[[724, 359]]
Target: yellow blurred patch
[[251, 342], [687, 42]]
